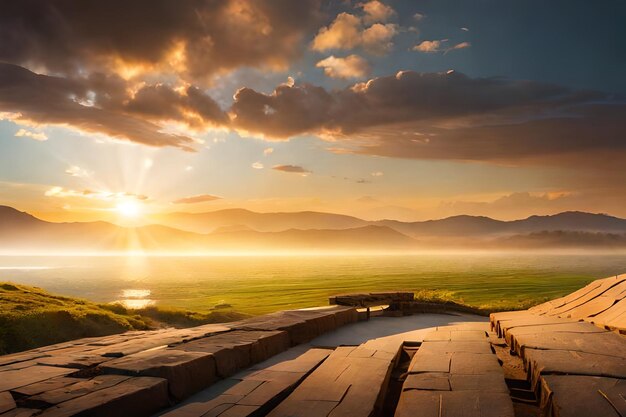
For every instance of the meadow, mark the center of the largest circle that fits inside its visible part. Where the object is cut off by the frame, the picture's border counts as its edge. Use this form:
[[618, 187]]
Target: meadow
[[258, 285]]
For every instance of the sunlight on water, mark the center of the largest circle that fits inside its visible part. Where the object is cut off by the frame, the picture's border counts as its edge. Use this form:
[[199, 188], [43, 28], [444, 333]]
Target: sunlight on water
[[136, 298], [136, 303], [135, 293]]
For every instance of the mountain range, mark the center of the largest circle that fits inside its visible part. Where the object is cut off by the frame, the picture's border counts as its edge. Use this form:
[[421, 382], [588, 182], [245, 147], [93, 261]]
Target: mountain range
[[244, 230]]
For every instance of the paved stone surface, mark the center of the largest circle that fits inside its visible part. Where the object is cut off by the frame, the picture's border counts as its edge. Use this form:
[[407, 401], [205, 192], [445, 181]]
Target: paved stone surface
[[583, 396], [135, 397], [186, 372], [94, 376], [455, 373], [574, 349], [256, 392], [351, 382]]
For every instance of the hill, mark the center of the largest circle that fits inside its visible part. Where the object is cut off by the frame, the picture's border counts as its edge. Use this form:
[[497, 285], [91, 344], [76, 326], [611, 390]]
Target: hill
[[23, 232], [478, 226], [20, 232], [31, 317], [261, 222]]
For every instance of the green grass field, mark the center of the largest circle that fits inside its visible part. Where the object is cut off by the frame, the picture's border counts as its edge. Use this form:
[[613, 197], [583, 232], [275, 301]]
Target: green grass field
[[258, 285], [187, 291]]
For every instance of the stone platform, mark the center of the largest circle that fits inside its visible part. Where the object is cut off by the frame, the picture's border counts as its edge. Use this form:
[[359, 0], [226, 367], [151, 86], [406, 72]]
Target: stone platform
[[564, 358]]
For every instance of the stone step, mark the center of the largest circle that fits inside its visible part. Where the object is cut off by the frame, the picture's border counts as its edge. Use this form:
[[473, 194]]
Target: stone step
[[455, 372], [186, 372], [351, 382], [16, 378], [137, 397], [583, 396], [257, 391]]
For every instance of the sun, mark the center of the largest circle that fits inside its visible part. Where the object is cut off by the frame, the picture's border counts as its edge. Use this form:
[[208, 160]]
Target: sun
[[129, 208]]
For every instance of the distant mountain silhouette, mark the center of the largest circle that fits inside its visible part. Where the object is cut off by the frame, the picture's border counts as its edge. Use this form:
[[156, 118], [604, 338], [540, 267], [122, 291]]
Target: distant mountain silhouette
[[366, 237], [245, 230], [563, 239], [261, 222], [466, 226]]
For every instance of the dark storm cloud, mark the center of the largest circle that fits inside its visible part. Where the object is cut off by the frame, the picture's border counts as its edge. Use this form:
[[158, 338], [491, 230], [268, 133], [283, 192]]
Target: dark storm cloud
[[211, 35], [441, 116], [161, 102], [99, 105]]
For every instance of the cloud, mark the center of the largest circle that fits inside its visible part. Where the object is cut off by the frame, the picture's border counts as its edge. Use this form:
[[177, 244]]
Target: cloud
[[377, 174], [193, 39], [42, 99], [462, 45], [61, 192], [268, 151], [202, 198], [39, 136], [377, 38], [376, 11], [348, 32], [352, 66], [517, 205], [76, 171], [190, 106], [418, 16], [447, 116], [292, 169], [343, 33], [428, 46], [105, 105], [258, 165], [438, 46], [464, 29]]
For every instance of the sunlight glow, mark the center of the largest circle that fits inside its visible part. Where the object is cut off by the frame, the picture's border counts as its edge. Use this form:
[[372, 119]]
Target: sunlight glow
[[129, 208]]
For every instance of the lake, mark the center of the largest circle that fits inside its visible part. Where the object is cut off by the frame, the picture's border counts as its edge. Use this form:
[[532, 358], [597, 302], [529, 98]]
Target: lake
[[259, 285]]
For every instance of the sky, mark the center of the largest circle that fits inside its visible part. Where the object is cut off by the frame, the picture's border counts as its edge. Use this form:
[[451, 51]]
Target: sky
[[410, 110]]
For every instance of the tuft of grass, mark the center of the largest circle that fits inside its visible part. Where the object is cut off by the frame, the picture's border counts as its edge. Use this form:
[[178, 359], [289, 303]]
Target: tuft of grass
[[449, 298], [31, 317]]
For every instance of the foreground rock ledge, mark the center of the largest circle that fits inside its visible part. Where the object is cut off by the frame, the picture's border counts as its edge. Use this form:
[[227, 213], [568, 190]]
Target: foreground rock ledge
[[563, 358]]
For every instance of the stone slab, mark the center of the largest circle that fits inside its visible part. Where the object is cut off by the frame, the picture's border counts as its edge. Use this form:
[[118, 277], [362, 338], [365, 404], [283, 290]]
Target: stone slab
[[7, 402], [21, 412], [257, 391], [239, 349], [12, 379], [430, 362], [137, 397], [583, 396], [349, 383], [606, 343], [47, 385], [78, 389], [454, 404], [542, 362], [456, 347], [186, 372]]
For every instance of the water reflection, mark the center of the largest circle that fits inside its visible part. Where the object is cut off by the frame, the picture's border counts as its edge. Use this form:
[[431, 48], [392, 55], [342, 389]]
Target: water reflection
[[136, 298]]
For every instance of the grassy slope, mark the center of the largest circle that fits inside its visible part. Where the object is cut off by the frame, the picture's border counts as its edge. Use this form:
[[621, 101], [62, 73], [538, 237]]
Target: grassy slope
[[30, 317]]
